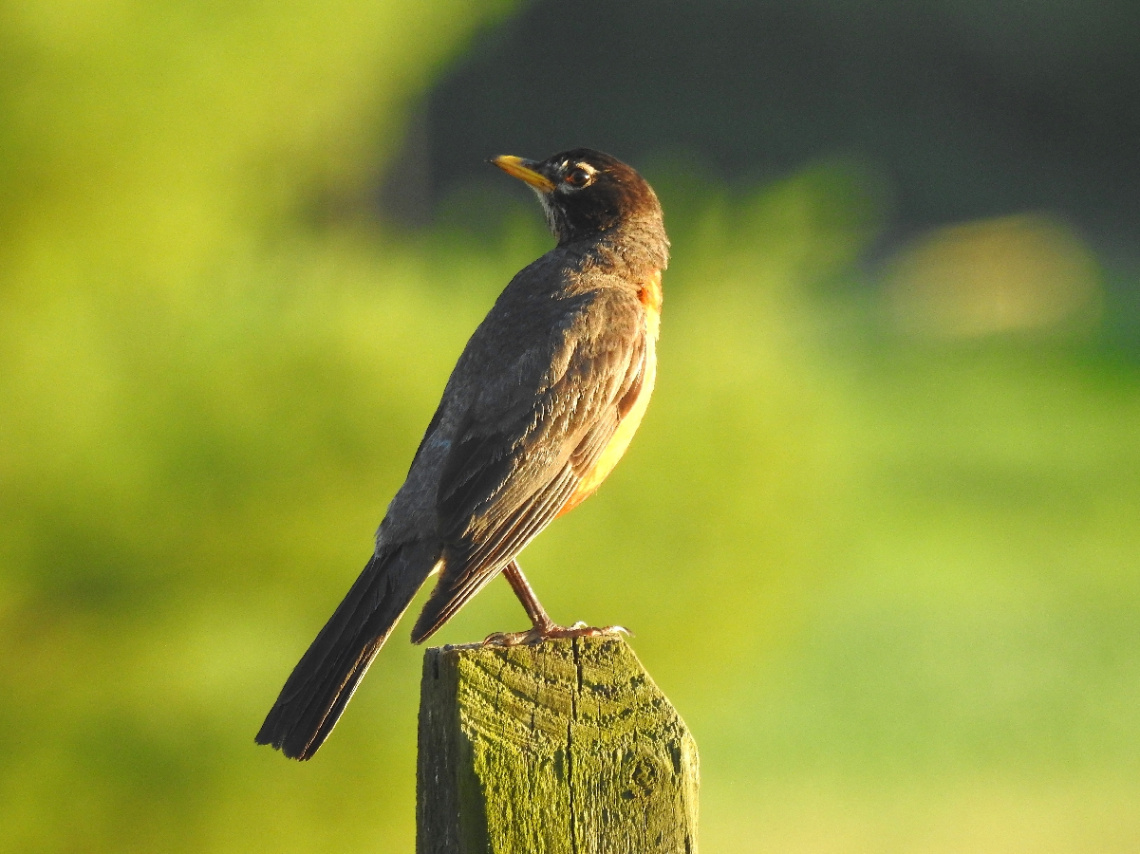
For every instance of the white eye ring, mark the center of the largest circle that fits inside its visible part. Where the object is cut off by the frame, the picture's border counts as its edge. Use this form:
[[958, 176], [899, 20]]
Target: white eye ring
[[579, 176]]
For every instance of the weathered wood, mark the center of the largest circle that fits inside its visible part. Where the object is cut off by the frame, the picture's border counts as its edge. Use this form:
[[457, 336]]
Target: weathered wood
[[566, 746]]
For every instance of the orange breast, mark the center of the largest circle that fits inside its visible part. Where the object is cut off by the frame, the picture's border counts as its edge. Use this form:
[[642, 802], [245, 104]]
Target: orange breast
[[650, 296]]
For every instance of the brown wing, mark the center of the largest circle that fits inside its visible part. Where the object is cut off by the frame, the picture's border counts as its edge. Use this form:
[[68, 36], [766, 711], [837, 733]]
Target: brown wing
[[507, 477]]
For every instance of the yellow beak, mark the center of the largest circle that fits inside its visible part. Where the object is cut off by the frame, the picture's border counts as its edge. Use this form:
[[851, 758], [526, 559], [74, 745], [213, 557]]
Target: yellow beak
[[524, 170]]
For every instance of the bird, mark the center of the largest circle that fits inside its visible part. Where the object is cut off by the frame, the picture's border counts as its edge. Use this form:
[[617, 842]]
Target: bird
[[540, 406]]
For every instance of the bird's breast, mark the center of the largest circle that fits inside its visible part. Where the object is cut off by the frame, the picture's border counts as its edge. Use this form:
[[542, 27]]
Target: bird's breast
[[650, 297]]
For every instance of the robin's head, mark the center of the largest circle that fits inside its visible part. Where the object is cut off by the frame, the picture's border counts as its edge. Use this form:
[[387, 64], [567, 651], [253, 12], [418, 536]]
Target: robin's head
[[585, 192]]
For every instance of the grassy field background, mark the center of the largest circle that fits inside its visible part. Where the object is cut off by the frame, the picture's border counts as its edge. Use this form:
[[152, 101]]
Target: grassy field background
[[876, 538]]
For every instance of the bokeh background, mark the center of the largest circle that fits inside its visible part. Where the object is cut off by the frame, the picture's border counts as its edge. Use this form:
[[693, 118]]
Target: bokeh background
[[877, 538]]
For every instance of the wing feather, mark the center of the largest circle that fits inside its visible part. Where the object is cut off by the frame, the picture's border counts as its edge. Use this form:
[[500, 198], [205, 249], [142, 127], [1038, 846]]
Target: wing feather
[[507, 478]]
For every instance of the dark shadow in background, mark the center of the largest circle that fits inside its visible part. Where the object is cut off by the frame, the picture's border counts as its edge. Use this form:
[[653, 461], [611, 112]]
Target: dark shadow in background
[[966, 109]]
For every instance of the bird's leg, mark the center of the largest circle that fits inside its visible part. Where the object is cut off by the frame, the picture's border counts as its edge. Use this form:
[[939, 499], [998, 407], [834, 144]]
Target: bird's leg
[[544, 628], [538, 616]]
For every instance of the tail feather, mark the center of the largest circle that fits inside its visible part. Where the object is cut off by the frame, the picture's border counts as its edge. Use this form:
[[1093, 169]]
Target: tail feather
[[325, 678]]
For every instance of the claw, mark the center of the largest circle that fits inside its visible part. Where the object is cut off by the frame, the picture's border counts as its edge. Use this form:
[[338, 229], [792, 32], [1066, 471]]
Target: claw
[[531, 636], [552, 632]]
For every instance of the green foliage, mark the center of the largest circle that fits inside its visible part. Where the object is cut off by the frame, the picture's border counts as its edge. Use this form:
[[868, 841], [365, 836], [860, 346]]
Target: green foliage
[[878, 573]]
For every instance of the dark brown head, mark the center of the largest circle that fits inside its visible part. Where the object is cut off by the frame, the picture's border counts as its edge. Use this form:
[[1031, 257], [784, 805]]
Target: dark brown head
[[586, 193]]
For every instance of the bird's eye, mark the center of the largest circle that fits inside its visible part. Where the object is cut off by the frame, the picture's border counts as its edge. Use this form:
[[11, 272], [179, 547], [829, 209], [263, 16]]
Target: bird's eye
[[579, 177]]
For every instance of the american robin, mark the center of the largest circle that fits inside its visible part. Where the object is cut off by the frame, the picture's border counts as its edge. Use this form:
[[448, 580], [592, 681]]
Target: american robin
[[540, 407]]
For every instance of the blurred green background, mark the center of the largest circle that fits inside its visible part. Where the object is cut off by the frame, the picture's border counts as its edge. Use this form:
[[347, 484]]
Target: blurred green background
[[877, 537]]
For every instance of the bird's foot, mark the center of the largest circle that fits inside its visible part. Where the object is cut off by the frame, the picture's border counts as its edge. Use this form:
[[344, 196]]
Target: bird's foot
[[553, 631]]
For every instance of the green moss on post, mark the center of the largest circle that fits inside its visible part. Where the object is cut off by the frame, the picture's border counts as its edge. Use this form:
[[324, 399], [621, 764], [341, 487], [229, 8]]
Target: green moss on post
[[567, 746]]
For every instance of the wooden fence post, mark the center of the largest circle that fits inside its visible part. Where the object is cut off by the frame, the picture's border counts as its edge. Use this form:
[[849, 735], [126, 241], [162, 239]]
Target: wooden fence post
[[566, 746]]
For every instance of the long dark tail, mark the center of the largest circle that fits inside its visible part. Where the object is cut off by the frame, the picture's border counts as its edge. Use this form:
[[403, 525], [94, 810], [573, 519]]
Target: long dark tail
[[323, 681]]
